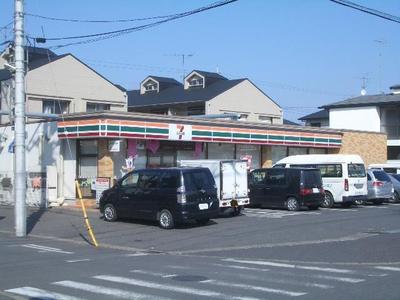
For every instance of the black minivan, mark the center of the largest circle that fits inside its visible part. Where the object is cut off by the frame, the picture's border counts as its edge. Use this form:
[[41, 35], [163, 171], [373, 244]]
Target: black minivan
[[168, 195], [291, 188]]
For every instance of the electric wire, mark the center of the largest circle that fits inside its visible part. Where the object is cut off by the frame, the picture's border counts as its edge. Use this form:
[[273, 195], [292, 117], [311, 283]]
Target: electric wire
[[368, 10], [111, 34]]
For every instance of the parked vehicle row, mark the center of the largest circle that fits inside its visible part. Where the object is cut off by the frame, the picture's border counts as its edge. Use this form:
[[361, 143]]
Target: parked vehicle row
[[201, 189], [343, 176]]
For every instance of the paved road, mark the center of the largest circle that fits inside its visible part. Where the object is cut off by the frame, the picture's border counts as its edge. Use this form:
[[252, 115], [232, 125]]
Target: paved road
[[262, 254]]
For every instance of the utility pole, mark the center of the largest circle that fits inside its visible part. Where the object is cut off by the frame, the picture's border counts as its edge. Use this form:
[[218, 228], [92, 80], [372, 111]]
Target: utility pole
[[19, 153], [183, 63]]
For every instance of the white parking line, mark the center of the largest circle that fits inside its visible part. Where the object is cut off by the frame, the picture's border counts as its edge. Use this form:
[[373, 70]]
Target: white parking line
[[40, 294], [45, 249], [396, 269], [78, 260], [113, 293], [153, 285], [291, 266]]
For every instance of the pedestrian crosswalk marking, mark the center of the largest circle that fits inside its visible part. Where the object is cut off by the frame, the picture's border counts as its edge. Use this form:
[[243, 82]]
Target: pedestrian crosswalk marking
[[40, 294], [167, 287], [112, 292], [274, 280], [45, 249], [291, 266], [387, 268]]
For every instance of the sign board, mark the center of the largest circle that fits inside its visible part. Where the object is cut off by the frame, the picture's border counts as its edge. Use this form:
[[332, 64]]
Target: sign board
[[102, 184], [248, 158], [180, 132], [114, 146]]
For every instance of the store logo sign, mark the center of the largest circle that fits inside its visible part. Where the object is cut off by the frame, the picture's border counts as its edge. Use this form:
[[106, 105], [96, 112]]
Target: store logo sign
[[180, 132]]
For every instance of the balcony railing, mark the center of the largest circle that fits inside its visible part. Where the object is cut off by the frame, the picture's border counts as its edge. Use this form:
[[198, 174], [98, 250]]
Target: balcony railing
[[392, 131]]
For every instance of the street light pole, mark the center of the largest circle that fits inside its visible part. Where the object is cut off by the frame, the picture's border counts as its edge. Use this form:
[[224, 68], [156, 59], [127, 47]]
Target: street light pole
[[19, 171]]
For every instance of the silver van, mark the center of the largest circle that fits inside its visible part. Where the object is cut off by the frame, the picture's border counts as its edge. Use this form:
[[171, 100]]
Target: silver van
[[380, 187]]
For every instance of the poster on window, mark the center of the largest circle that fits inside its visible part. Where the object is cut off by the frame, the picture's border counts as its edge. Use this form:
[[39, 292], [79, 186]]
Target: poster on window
[[180, 132], [114, 146], [101, 184]]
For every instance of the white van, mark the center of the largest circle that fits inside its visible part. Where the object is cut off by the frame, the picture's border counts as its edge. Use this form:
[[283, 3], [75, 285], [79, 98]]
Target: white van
[[343, 176]]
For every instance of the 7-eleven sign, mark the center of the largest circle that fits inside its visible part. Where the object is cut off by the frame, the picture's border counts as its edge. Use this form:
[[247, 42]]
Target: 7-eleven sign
[[180, 132]]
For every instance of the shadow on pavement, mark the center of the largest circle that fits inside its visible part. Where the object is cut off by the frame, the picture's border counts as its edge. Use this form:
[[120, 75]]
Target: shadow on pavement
[[1, 218], [33, 219]]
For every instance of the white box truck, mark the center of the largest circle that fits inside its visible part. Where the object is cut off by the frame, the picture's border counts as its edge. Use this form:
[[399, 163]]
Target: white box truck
[[231, 180]]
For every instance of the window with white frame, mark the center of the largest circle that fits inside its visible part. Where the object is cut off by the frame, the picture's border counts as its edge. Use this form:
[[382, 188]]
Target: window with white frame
[[150, 86], [265, 119], [93, 107], [196, 81], [55, 107]]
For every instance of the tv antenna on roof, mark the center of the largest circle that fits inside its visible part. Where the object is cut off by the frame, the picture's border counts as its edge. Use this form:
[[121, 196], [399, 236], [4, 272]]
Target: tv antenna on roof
[[380, 44], [183, 55]]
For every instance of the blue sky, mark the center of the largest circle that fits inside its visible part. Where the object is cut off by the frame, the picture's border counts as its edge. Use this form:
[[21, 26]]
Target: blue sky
[[303, 54]]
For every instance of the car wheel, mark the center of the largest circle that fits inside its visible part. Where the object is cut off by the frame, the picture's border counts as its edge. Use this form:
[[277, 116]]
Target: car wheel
[[328, 200], [203, 221], [110, 213], [292, 204], [165, 220], [313, 207], [396, 197], [359, 202], [378, 201]]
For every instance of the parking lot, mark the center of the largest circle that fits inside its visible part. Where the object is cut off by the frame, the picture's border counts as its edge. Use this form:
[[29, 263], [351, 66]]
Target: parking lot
[[261, 254]]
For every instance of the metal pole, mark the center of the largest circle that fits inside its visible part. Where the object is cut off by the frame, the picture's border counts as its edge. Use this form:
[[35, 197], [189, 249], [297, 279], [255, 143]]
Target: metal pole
[[19, 171]]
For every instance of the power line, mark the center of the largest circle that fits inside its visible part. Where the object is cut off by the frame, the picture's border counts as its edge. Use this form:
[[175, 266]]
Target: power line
[[368, 10], [111, 34], [99, 21]]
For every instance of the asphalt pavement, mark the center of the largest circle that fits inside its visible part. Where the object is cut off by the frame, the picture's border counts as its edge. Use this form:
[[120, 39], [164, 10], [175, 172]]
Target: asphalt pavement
[[261, 254]]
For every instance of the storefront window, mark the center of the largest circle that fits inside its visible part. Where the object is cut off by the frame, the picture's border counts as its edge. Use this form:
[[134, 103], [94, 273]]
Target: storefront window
[[221, 151], [278, 152], [252, 152], [317, 151], [297, 151], [87, 166]]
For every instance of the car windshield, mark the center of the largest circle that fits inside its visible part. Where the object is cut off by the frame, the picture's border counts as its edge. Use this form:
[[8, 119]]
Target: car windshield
[[356, 170], [381, 176]]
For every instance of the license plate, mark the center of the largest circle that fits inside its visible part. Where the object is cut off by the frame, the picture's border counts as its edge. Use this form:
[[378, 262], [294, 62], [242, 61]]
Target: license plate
[[203, 206], [315, 190]]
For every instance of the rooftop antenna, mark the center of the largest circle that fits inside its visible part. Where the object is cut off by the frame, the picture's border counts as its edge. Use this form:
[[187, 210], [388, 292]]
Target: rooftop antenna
[[380, 44], [364, 81], [183, 62]]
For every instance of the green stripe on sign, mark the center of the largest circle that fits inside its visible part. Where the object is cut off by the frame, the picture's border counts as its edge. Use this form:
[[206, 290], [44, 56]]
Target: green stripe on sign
[[276, 137], [222, 134], [89, 128], [292, 138], [67, 129], [241, 135], [112, 127], [335, 141], [201, 133], [307, 139], [133, 129], [157, 130], [320, 140], [259, 136]]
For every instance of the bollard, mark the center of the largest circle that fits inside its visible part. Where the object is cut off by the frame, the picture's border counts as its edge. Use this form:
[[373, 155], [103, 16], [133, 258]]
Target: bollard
[[88, 227]]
